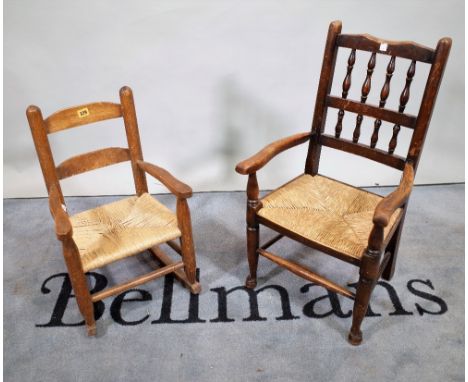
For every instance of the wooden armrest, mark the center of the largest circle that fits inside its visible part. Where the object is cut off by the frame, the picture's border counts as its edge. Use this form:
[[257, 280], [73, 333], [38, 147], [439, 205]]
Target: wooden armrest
[[256, 162], [388, 205], [63, 227], [179, 189]]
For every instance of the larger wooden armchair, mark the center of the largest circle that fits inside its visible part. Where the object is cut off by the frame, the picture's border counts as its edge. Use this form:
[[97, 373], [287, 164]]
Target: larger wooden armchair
[[101, 236], [351, 224]]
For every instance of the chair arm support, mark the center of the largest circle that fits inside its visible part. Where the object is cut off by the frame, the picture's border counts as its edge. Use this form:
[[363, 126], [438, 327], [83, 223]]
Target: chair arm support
[[179, 189], [388, 205], [256, 162], [63, 226]]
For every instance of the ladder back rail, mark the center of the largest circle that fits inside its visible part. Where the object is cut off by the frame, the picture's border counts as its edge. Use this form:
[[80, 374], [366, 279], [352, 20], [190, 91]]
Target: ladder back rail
[[92, 161], [374, 154], [402, 119], [82, 115]]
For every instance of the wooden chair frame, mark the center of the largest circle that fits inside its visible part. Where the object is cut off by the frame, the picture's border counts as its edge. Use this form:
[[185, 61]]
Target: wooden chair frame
[[380, 257], [94, 112]]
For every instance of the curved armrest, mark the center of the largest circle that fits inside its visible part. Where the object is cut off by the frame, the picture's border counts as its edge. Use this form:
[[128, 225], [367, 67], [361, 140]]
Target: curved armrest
[[179, 189], [256, 162], [63, 226], [388, 205]]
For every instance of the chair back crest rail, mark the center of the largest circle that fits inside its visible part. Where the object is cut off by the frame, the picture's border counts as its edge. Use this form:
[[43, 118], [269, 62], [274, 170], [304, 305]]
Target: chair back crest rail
[[391, 52], [83, 115]]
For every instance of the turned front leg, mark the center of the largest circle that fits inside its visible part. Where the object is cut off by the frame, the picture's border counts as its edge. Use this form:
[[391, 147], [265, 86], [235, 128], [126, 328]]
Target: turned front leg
[[368, 274], [252, 230]]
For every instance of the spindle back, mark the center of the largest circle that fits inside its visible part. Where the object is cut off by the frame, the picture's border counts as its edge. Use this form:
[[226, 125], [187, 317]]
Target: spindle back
[[378, 48]]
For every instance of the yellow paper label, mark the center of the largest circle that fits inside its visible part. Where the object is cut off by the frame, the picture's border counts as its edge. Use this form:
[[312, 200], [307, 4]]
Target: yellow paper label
[[82, 113]]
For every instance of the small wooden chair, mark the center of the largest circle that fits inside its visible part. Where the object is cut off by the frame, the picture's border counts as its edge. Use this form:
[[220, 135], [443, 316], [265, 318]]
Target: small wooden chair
[[100, 236], [351, 224]]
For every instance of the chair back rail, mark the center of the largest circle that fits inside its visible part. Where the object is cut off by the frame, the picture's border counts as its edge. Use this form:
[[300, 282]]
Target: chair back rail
[[418, 124], [92, 161], [82, 115], [371, 111], [403, 49], [351, 147]]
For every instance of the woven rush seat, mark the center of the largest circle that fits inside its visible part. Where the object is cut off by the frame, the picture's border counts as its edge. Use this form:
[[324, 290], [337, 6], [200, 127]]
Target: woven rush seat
[[325, 211], [120, 229]]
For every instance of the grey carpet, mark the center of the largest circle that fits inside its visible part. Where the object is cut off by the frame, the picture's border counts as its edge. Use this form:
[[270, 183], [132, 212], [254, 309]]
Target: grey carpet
[[417, 336]]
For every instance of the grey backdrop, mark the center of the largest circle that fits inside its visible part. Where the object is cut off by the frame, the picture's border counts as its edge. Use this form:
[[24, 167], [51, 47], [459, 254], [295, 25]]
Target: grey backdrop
[[214, 81]]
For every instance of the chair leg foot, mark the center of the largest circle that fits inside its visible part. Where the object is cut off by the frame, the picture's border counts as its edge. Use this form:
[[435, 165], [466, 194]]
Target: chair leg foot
[[250, 282], [83, 299], [195, 288], [186, 245], [368, 275], [91, 329], [355, 338]]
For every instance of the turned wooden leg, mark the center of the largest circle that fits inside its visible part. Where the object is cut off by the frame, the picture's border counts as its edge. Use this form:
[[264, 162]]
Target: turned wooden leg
[[367, 280], [80, 285], [364, 290], [252, 230], [186, 243], [252, 256]]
